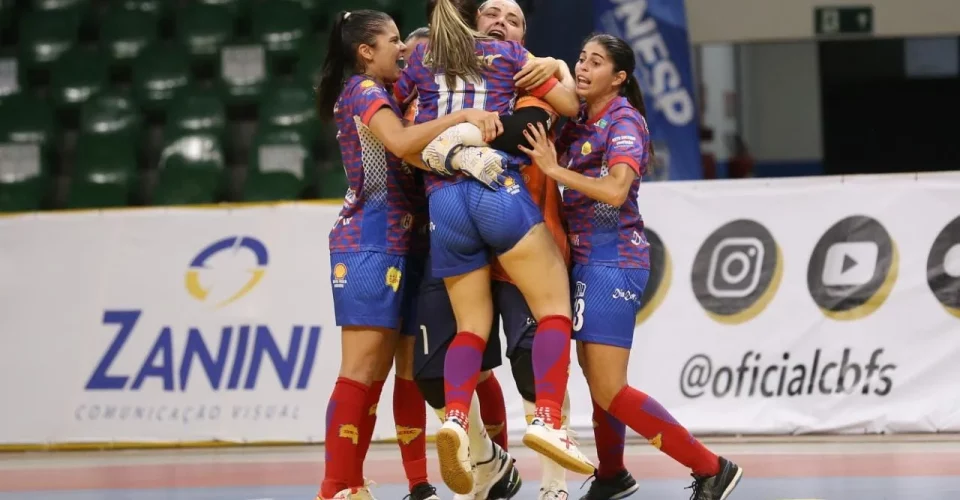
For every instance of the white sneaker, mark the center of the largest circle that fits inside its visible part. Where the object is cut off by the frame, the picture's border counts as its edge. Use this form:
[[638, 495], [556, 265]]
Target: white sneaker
[[492, 471], [556, 490], [556, 445], [453, 450]]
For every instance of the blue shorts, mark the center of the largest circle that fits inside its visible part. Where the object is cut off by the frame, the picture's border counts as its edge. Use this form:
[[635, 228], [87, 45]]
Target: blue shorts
[[368, 288], [436, 328], [408, 309], [606, 301], [469, 220], [518, 322]]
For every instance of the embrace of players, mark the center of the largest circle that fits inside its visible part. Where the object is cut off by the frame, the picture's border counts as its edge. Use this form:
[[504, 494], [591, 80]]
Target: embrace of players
[[453, 224]]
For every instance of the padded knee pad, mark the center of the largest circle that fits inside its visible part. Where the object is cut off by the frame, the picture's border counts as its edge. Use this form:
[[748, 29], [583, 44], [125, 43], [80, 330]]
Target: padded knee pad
[[432, 390], [521, 363]]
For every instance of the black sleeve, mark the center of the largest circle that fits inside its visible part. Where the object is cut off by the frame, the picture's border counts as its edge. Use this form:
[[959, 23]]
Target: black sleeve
[[513, 127]]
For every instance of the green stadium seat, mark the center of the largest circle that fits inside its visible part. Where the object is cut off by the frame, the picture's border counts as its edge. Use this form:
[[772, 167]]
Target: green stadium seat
[[59, 4], [77, 75], [203, 28], [333, 182], [243, 73], [158, 73], [311, 58], [411, 16], [191, 171], [196, 110], [236, 7], [105, 172], [11, 82], [280, 167], [23, 178], [152, 7], [125, 33], [27, 119], [46, 35], [388, 6], [281, 27], [111, 113], [292, 106]]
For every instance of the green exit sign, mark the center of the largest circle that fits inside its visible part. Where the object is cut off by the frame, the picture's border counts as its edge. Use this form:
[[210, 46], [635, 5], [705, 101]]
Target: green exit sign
[[853, 20]]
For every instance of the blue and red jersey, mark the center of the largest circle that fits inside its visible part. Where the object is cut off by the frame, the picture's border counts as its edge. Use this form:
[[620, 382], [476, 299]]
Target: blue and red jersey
[[494, 92], [379, 207], [601, 234]]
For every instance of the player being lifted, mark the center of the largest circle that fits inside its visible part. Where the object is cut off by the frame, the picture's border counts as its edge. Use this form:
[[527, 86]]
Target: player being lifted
[[370, 242], [463, 68], [606, 150]]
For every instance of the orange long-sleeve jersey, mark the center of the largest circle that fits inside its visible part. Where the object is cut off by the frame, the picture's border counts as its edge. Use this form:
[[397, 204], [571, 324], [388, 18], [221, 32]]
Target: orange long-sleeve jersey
[[545, 194]]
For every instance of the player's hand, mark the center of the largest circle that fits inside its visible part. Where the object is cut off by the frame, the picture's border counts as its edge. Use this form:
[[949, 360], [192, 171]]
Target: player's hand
[[489, 123], [536, 72], [543, 152]]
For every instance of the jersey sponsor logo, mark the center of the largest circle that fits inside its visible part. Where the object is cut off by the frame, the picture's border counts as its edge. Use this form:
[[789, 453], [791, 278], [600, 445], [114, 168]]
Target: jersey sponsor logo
[[511, 186], [339, 275], [624, 141], [366, 84], [602, 123], [393, 278]]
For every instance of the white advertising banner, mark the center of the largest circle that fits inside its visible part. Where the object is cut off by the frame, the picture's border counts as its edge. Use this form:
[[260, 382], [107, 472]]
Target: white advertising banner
[[774, 307]]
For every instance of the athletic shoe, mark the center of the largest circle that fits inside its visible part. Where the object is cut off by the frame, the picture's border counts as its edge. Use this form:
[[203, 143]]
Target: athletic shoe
[[716, 487]]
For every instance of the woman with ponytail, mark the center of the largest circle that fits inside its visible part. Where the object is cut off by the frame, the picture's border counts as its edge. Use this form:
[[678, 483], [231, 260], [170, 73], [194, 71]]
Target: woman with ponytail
[[370, 243], [606, 151], [462, 68]]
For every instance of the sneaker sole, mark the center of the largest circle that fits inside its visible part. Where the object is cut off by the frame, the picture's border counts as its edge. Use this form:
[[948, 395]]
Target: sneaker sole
[[733, 484], [515, 482], [541, 446], [457, 479], [627, 492]]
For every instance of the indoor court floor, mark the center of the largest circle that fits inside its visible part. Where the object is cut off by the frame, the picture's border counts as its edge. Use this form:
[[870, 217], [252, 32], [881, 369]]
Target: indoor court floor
[[874, 468]]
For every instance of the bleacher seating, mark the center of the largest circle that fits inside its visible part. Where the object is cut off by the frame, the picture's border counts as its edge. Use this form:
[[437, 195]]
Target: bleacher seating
[[107, 103]]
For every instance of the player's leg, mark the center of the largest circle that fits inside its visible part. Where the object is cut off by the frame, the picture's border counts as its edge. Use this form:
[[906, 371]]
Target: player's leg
[[498, 478], [368, 420], [459, 256], [368, 311], [493, 408], [519, 328], [606, 335], [530, 256], [409, 408]]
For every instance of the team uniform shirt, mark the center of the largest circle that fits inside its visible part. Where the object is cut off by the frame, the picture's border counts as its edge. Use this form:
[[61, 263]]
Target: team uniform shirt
[[545, 194], [495, 92], [601, 234], [420, 239], [378, 209]]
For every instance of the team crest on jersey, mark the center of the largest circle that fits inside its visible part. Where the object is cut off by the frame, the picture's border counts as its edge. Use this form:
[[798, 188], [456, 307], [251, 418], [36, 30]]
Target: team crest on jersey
[[511, 185], [393, 278], [349, 431], [367, 84], [339, 275], [586, 149]]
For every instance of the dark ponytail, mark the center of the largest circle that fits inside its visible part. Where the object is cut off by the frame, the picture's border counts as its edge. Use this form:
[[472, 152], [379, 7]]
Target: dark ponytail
[[350, 31], [631, 90]]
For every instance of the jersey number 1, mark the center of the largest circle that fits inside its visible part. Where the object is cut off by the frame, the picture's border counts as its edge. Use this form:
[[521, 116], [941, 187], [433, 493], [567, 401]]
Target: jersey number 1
[[453, 99]]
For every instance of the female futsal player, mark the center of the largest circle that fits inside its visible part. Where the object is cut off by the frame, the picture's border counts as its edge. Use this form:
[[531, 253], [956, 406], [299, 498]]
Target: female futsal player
[[462, 68], [606, 150], [371, 239]]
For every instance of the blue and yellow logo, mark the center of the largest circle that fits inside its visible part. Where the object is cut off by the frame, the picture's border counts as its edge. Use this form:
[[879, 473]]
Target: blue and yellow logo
[[235, 243]]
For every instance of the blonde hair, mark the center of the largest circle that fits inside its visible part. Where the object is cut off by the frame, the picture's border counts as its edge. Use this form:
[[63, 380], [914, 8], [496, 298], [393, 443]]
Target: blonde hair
[[453, 44]]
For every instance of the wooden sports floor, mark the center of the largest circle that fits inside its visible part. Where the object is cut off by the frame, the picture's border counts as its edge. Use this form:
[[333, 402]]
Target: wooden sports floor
[[869, 468]]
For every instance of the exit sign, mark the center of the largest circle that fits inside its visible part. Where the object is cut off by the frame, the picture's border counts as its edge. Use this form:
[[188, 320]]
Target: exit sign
[[843, 20]]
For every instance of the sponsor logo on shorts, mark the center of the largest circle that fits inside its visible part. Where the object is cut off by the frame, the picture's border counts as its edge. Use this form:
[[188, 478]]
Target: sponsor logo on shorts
[[339, 275], [393, 278], [853, 268], [737, 271], [943, 267]]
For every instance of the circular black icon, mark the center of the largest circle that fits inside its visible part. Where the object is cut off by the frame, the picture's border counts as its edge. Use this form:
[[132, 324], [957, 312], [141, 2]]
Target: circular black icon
[[737, 271], [943, 267], [853, 268], [660, 276]]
